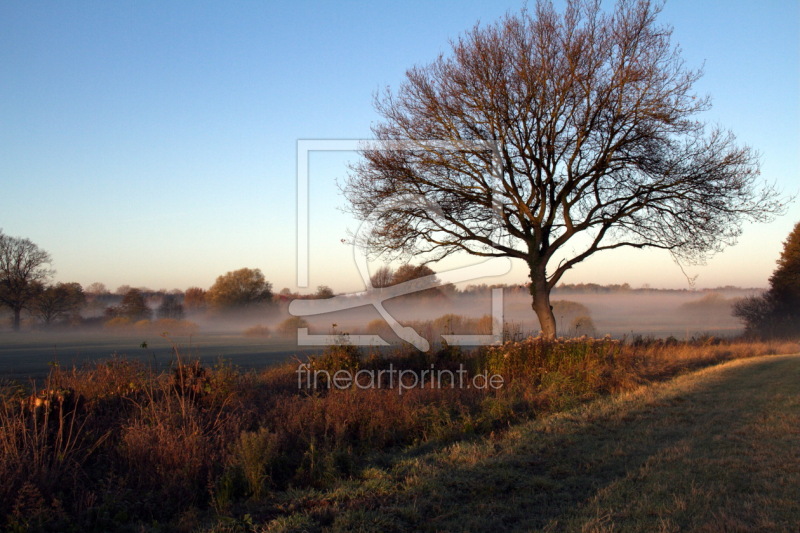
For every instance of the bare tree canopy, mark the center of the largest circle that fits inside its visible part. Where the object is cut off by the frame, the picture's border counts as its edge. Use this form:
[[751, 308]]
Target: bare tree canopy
[[57, 301], [23, 269], [592, 142]]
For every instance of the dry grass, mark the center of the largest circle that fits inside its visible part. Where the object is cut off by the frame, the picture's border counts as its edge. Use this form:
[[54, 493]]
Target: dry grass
[[113, 444], [711, 451]]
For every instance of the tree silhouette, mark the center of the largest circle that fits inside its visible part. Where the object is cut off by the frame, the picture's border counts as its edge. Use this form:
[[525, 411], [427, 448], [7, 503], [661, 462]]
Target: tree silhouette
[[565, 134], [134, 306], [23, 270], [323, 292], [777, 312], [194, 299], [382, 277], [170, 307], [240, 289], [57, 301]]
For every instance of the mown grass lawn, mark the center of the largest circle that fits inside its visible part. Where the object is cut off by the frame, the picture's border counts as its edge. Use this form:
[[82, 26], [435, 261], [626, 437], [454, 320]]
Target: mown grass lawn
[[714, 450]]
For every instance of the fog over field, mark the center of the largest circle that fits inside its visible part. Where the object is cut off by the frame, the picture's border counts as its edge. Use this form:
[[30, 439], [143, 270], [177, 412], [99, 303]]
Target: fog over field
[[657, 313], [259, 338], [620, 313]]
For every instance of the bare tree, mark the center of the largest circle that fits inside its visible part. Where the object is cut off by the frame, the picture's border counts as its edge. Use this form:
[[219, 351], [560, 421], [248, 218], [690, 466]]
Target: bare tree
[[22, 271], [593, 143], [170, 307], [323, 292], [59, 300], [382, 277], [96, 289]]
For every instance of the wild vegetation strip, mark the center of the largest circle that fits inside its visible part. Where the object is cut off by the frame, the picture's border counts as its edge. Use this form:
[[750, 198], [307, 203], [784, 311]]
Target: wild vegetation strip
[[117, 446], [716, 450]]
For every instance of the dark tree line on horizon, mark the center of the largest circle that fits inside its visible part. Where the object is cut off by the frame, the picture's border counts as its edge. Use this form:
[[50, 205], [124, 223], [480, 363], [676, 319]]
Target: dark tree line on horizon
[[26, 289]]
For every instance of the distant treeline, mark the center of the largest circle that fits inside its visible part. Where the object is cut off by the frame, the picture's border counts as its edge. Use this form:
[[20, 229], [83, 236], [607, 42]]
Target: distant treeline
[[246, 289], [594, 288], [30, 298]]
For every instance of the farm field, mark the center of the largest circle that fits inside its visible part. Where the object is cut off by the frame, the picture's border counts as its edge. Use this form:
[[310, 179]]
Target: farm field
[[30, 354]]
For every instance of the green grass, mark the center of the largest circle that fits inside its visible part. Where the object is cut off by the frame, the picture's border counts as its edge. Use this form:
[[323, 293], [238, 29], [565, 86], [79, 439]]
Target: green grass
[[715, 450]]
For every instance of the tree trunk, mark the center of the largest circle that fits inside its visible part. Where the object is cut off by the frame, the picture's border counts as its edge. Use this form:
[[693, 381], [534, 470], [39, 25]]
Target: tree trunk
[[17, 313], [540, 292]]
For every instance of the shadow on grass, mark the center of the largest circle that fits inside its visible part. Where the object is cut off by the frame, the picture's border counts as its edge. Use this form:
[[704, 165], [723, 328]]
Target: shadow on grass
[[599, 464]]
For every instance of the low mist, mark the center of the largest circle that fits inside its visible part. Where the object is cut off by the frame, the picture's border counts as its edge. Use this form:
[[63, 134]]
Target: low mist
[[269, 334]]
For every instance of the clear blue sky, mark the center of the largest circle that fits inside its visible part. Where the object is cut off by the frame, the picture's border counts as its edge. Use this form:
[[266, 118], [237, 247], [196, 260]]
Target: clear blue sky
[[153, 143]]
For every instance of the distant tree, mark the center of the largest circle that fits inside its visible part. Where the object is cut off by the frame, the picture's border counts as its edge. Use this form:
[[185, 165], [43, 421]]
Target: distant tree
[[96, 288], [23, 270], [288, 328], [122, 290], [133, 306], [170, 307], [58, 301], [240, 289], [785, 281], [411, 273], [563, 134], [776, 313], [757, 314], [382, 277], [194, 299], [323, 292]]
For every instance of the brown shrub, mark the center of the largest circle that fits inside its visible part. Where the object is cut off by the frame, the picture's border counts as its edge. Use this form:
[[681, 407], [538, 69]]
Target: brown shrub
[[116, 436], [257, 331]]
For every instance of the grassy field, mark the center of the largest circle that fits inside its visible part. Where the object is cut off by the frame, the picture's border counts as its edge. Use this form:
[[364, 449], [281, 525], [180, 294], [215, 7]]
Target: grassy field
[[29, 354], [584, 435], [716, 450]]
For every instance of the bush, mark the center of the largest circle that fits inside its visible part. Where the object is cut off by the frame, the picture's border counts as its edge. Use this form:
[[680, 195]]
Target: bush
[[432, 330], [567, 311], [379, 327], [118, 323], [173, 326], [288, 328], [257, 331], [116, 446], [254, 454], [583, 326]]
